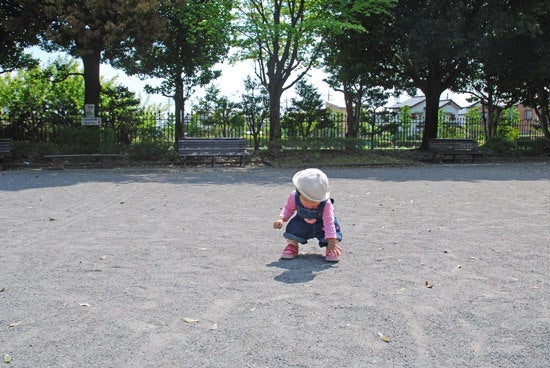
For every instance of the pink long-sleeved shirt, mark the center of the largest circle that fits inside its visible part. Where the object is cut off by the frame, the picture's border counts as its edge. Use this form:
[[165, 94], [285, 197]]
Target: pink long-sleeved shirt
[[328, 215]]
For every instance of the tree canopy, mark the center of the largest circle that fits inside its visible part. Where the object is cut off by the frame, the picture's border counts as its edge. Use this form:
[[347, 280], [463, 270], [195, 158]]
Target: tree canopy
[[36, 103], [255, 108], [99, 30], [356, 57], [307, 112], [495, 49], [20, 26], [281, 37], [517, 61], [196, 38], [433, 49]]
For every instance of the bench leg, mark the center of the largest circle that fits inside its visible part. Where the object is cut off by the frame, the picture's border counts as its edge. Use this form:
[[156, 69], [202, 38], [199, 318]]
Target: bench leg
[[57, 164], [477, 155], [106, 162]]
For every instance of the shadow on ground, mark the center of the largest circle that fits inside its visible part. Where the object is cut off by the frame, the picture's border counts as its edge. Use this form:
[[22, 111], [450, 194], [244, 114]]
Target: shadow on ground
[[301, 269]]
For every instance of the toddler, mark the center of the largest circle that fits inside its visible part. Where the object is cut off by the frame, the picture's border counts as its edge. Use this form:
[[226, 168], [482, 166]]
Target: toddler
[[309, 211]]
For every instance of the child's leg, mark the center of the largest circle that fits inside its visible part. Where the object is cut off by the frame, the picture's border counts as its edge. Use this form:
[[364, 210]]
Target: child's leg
[[291, 250], [297, 231], [320, 234], [292, 241]]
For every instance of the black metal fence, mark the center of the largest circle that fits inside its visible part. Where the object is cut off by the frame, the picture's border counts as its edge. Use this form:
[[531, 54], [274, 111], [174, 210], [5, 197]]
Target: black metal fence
[[160, 127], [391, 133]]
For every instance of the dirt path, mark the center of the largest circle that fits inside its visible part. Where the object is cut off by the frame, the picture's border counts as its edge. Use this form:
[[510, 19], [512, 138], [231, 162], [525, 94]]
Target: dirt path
[[180, 268]]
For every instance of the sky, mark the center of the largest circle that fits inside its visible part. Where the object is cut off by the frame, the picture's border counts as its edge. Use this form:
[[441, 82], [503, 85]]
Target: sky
[[230, 83]]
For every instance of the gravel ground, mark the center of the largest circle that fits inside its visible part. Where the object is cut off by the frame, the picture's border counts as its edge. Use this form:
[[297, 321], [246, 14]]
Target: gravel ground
[[179, 267]]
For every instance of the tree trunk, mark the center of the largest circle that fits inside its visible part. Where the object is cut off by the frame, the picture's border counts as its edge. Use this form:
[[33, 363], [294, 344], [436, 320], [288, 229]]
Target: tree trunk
[[543, 112], [357, 115], [92, 85], [275, 134], [494, 114], [256, 142], [431, 120], [351, 119], [179, 104], [544, 115]]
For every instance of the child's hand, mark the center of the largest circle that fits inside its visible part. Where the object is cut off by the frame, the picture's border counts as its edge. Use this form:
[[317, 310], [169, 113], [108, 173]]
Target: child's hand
[[278, 224], [333, 246]]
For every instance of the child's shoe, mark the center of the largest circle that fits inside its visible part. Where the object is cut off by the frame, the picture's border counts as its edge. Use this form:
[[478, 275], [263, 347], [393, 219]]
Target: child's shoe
[[290, 251], [332, 256]]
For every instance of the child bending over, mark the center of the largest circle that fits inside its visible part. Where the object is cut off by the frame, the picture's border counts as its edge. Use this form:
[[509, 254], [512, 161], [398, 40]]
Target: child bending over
[[309, 211]]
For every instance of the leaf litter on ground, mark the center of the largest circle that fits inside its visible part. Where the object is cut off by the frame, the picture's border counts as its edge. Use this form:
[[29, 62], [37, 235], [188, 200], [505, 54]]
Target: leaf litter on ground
[[384, 337], [189, 320]]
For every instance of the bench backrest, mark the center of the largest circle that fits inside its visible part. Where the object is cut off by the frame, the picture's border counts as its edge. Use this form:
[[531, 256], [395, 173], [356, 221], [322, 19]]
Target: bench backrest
[[452, 144], [212, 145], [5, 146]]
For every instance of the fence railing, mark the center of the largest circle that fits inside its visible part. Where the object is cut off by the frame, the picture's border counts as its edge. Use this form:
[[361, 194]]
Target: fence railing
[[160, 127], [386, 134]]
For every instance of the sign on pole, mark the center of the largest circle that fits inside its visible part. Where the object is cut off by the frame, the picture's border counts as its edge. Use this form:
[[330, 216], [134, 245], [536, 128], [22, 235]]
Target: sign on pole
[[89, 118], [89, 110], [91, 121]]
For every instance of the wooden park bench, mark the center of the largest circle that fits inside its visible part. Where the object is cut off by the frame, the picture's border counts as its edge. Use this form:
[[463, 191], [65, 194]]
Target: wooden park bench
[[451, 149], [213, 148], [5, 149], [95, 159]]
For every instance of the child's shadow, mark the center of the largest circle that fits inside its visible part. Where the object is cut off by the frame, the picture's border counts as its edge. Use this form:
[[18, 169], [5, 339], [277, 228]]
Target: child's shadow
[[303, 268]]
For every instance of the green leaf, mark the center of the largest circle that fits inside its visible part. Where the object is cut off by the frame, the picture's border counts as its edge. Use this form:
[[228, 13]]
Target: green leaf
[[189, 320], [7, 358]]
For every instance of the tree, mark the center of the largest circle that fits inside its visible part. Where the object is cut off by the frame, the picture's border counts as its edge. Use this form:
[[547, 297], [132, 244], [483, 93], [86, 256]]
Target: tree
[[503, 67], [307, 113], [356, 57], [20, 25], [37, 101], [375, 98], [219, 113], [197, 37], [121, 111], [517, 58], [255, 107], [433, 49], [493, 101], [483, 80], [100, 30], [281, 37]]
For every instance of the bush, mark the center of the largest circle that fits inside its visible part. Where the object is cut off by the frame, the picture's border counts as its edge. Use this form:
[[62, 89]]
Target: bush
[[534, 147], [507, 132], [152, 151], [309, 143], [501, 145], [109, 144], [504, 145], [78, 140], [31, 151]]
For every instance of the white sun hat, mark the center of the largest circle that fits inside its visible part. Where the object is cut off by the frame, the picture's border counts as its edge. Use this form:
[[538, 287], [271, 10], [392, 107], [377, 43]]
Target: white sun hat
[[312, 184]]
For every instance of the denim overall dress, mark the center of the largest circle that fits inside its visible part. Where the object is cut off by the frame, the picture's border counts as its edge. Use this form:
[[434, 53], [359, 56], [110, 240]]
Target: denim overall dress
[[301, 230]]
